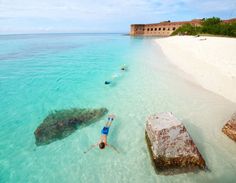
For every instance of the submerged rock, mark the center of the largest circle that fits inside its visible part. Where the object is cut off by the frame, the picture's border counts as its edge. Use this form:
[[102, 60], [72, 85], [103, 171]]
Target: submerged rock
[[171, 147], [230, 128], [60, 124]]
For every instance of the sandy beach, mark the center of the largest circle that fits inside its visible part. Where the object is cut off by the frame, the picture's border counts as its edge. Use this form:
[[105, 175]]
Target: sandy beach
[[210, 61]]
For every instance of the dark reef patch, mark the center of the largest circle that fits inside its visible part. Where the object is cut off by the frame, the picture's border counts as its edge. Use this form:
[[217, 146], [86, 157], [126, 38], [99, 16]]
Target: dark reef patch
[[60, 124]]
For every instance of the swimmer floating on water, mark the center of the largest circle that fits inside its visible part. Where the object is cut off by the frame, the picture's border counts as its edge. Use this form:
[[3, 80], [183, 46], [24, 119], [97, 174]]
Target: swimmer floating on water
[[114, 77], [117, 75], [104, 133], [124, 67]]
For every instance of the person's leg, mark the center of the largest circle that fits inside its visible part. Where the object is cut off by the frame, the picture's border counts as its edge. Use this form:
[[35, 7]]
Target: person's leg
[[110, 120], [109, 124]]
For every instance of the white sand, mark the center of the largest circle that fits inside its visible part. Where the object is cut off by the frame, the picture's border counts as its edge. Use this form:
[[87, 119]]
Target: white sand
[[211, 61]]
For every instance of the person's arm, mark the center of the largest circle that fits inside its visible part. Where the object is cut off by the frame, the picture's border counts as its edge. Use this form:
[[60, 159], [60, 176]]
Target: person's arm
[[91, 147], [108, 145]]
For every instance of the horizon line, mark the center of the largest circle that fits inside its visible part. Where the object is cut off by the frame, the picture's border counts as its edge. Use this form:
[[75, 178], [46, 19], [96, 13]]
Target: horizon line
[[44, 33]]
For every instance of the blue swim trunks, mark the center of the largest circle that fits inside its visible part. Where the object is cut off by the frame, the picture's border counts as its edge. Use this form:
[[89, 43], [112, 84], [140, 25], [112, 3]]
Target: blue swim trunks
[[105, 130]]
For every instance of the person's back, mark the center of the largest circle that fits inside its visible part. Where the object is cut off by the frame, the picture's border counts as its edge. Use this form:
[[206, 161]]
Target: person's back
[[104, 133]]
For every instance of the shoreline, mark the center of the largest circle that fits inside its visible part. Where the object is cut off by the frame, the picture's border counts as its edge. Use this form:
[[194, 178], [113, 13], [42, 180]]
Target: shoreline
[[210, 61]]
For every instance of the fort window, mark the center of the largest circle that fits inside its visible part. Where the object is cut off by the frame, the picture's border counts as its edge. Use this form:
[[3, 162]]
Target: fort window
[[143, 29], [173, 28], [168, 29], [159, 29], [164, 28], [151, 29], [155, 29], [148, 29]]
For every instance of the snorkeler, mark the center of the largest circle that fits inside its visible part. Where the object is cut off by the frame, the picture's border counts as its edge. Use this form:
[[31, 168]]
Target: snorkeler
[[116, 76], [107, 82], [124, 67], [104, 133]]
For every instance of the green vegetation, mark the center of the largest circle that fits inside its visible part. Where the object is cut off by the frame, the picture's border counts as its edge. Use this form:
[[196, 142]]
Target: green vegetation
[[187, 29], [212, 26]]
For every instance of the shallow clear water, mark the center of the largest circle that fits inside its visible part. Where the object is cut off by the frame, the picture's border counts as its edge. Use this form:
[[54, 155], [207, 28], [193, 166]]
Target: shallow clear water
[[41, 73]]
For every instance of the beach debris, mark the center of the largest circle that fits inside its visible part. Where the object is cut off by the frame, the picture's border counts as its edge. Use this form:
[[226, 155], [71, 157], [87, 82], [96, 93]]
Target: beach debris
[[229, 128], [60, 124], [171, 148]]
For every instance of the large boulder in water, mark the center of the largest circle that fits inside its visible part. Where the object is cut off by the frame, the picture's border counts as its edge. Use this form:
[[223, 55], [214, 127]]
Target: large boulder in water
[[170, 145], [60, 124], [230, 128]]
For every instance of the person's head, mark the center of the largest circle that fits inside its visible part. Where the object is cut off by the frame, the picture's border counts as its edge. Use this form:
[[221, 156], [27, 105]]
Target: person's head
[[102, 145]]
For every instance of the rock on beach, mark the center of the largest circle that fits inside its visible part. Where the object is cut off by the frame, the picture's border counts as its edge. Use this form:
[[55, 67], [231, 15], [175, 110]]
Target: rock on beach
[[171, 148], [230, 128]]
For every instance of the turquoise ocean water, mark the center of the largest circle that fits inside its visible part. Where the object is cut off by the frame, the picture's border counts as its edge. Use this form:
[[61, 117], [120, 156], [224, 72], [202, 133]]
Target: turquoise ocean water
[[41, 73]]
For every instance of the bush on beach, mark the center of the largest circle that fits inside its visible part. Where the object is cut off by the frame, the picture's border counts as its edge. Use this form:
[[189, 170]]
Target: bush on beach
[[213, 26], [187, 29]]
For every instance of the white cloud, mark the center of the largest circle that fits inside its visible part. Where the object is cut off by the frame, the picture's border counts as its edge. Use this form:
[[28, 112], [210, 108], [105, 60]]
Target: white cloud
[[101, 13], [217, 5], [100, 8]]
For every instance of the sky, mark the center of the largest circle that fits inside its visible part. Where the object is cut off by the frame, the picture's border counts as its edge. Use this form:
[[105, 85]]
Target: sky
[[102, 16]]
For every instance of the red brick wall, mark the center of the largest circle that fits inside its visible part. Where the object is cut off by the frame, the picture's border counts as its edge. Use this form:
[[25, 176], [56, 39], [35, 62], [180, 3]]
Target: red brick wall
[[164, 28]]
